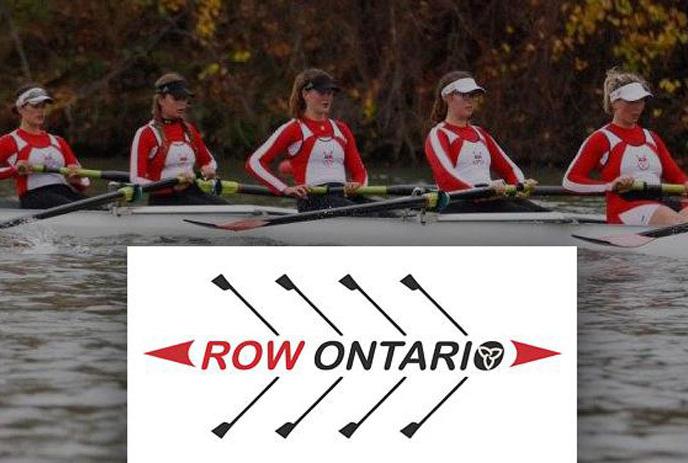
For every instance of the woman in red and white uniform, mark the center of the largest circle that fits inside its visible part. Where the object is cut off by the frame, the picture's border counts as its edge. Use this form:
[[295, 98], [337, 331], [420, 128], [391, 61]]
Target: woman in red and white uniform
[[30, 145], [170, 146], [321, 150], [463, 155], [622, 152]]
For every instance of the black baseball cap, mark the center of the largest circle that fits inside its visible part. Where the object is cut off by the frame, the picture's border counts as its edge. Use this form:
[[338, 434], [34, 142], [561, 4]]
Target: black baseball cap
[[177, 88], [322, 83]]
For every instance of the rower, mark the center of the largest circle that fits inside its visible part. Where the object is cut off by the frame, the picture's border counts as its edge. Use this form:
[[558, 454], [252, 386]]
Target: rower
[[30, 145], [171, 146], [462, 155], [321, 150], [623, 152]]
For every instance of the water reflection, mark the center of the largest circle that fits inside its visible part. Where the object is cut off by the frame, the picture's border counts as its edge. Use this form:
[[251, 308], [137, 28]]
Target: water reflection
[[63, 352]]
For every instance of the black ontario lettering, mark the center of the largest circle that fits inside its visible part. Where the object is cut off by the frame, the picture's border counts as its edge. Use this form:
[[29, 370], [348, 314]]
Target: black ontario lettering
[[319, 353]]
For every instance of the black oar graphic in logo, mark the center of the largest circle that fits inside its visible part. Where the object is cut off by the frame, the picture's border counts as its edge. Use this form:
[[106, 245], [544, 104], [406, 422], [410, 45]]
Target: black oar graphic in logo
[[350, 283], [410, 429], [221, 429], [289, 426], [350, 428], [285, 282], [413, 285], [222, 283]]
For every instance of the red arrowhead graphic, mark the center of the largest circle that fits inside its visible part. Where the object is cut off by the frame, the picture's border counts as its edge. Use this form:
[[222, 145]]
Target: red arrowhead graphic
[[178, 353], [526, 353]]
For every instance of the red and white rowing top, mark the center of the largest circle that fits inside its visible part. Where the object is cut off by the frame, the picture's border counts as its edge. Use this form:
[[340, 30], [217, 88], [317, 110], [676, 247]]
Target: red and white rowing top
[[461, 157], [320, 152], [615, 151], [154, 158], [37, 149]]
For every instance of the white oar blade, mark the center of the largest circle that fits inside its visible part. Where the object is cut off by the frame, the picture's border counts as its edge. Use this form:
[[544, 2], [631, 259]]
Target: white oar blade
[[628, 240]]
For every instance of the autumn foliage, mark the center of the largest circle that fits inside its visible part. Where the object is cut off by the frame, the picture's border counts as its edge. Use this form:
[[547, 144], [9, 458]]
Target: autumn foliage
[[542, 63]]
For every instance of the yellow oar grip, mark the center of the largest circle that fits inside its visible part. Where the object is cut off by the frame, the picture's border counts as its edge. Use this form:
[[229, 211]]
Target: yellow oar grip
[[432, 199], [229, 187], [673, 189]]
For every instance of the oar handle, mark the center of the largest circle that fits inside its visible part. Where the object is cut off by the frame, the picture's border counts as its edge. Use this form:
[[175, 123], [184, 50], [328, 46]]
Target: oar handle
[[557, 190], [663, 188], [113, 175], [382, 190], [229, 187]]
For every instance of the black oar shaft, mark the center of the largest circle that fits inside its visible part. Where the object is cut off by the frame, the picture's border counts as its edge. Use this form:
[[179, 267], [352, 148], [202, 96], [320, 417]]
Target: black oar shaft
[[88, 202], [315, 404], [319, 312], [222, 428], [379, 402], [441, 402]]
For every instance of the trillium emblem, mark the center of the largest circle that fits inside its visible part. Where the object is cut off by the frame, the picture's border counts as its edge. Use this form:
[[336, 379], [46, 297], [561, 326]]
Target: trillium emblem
[[489, 355]]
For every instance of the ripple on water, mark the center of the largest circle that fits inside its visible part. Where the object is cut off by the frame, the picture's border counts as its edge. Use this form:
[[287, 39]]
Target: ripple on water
[[63, 341]]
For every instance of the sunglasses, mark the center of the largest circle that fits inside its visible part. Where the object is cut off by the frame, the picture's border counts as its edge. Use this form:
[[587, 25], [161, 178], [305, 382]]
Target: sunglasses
[[40, 105], [468, 96]]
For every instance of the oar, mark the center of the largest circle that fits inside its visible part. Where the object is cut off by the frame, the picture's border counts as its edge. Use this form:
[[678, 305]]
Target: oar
[[351, 284], [635, 240], [221, 429], [639, 186], [228, 188], [114, 175], [289, 426], [431, 201], [410, 282], [124, 192], [285, 282], [410, 429], [350, 428]]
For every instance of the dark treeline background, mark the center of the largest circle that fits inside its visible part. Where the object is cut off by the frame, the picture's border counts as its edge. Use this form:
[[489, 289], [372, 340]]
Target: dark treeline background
[[542, 62]]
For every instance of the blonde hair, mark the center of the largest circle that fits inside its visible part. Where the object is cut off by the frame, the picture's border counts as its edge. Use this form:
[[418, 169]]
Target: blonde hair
[[164, 79], [297, 105], [439, 107], [617, 78], [157, 112]]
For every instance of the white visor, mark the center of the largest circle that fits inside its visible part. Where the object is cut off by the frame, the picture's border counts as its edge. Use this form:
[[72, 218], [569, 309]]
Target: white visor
[[630, 92], [464, 85], [33, 96]]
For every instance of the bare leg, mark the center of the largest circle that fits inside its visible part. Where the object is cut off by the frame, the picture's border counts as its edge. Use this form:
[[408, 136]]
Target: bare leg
[[684, 214], [666, 216]]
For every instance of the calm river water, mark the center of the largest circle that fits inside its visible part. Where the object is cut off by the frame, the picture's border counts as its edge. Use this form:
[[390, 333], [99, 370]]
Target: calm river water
[[63, 352]]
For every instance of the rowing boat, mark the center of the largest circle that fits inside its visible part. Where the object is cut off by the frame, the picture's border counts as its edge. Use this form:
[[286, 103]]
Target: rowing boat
[[523, 229]]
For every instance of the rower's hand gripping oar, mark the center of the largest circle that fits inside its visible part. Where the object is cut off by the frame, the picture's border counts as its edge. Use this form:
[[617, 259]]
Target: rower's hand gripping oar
[[129, 192], [430, 201]]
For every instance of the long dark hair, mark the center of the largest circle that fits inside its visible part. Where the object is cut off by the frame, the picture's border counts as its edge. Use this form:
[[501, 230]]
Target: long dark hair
[[297, 105]]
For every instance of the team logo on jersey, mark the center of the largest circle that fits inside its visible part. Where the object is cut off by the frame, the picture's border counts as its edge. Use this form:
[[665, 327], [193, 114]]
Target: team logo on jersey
[[328, 158], [643, 162], [478, 158], [182, 152], [49, 159]]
